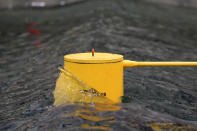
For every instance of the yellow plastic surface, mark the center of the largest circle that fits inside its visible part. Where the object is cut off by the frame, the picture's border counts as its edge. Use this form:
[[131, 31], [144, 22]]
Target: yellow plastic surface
[[128, 63], [97, 58], [106, 78]]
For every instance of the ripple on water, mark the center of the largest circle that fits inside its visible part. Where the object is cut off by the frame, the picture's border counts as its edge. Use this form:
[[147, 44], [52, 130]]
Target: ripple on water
[[160, 97]]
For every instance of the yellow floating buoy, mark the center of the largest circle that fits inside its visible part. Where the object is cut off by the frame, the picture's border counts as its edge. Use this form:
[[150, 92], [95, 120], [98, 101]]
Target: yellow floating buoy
[[104, 71]]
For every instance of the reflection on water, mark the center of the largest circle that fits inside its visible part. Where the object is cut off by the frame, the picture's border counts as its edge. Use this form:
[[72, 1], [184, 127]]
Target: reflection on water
[[94, 118], [91, 113], [170, 127]]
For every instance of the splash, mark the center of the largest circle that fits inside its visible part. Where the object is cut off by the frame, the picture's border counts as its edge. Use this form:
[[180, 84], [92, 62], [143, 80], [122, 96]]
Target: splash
[[70, 89]]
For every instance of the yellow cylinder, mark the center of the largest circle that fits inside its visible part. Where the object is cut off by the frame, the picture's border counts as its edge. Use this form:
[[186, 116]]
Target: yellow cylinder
[[103, 72]]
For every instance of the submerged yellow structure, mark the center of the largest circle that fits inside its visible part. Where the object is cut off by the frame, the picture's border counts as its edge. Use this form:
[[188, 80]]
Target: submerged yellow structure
[[103, 72]]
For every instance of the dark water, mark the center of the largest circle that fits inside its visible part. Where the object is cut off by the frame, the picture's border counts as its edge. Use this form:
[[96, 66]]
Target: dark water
[[34, 41]]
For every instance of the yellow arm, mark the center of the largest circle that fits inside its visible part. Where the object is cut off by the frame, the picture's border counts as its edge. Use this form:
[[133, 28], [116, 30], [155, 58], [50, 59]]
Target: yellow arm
[[128, 63]]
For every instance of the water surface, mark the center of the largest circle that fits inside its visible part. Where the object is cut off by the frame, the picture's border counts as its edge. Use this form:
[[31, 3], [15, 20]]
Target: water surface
[[34, 41]]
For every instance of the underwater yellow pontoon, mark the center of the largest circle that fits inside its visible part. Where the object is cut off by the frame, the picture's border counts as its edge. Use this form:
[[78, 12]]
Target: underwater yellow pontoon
[[104, 71]]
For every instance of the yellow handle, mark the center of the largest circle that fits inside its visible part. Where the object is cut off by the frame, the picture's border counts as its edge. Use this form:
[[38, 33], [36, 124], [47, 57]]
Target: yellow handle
[[128, 63]]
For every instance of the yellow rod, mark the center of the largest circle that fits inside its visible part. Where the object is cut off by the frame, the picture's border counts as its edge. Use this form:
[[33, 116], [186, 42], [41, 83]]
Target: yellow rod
[[128, 63]]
